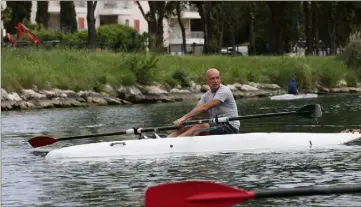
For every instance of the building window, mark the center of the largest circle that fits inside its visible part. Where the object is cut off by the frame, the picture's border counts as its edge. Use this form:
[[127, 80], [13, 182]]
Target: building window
[[196, 25], [81, 23], [127, 22], [136, 25]]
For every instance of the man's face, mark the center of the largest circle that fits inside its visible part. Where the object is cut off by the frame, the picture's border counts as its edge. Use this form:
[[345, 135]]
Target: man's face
[[213, 79]]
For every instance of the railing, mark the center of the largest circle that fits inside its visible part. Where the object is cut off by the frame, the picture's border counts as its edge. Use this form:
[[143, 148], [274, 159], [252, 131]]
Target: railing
[[54, 3], [80, 3], [192, 8], [77, 3], [110, 5], [126, 4], [195, 35], [189, 35]]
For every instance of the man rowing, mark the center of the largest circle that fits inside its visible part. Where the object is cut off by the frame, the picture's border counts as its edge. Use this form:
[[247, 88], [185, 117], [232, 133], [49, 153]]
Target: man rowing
[[218, 101]]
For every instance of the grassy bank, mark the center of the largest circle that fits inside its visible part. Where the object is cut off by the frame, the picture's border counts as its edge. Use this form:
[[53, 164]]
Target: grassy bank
[[79, 70]]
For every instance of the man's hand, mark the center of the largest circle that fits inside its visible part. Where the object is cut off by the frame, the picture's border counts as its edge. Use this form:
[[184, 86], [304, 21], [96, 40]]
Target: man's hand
[[179, 121]]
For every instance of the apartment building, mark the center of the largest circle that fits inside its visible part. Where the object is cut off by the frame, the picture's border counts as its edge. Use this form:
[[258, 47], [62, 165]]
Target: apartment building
[[127, 12], [193, 32], [106, 12]]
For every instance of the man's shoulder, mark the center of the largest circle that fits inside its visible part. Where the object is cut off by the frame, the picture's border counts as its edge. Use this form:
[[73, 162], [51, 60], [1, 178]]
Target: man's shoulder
[[225, 88]]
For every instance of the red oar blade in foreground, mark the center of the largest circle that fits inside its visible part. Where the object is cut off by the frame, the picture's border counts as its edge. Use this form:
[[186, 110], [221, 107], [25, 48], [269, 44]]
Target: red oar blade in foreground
[[195, 194], [210, 194], [40, 141]]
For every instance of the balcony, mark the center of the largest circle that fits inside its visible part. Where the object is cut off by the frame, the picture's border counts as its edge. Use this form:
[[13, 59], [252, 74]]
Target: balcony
[[80, 3], [191, 37], [80, 6], [54, 7], [110, 5], [192, 8], [114, 8], [191, 12]]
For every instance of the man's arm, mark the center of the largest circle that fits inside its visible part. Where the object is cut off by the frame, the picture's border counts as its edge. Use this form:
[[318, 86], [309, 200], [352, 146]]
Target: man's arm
[[201, 108]]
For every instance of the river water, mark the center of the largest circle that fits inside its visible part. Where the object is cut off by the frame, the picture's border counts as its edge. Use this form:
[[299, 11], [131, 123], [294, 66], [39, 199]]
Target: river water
[[29, 180]]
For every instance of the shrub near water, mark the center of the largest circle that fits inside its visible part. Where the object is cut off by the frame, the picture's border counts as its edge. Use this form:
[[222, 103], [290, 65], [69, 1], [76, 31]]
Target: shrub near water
[[115, 37], [80, 70], [352, 58]]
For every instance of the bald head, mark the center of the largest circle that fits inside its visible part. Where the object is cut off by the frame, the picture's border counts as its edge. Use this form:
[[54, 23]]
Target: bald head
[[212, 72], [213, 78]]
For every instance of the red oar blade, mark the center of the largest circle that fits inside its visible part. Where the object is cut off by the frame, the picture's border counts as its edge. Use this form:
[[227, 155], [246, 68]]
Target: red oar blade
[[40, 141], [195, 194]]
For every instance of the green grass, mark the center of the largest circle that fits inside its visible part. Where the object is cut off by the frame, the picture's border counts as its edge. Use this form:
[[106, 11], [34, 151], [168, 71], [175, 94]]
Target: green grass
[[80, 70]]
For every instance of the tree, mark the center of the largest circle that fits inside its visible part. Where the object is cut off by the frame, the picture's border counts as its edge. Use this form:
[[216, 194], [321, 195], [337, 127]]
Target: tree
[[68, 21], [179, 8], [154, 19], [176, 8], [91, 5], [42, 14], [21, 11]]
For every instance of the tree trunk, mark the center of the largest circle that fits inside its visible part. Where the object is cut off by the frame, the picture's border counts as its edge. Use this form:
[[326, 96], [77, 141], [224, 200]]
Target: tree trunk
[[42, 14], [277, 21], [160, 7], [220, 26], [91, 5], [179, 17], [233, 40], [315, 26], [332, 32], [308, 27], [152, 25], [281, 27], [207, 32], [252, 48]]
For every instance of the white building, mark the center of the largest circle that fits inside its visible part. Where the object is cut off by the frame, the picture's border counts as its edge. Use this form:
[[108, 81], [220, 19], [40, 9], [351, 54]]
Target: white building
[[106, 12], [193, 31], [127, 12]]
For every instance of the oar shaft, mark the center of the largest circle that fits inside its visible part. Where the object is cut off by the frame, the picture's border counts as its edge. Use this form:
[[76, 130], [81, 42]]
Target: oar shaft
[[226, 119], [93, 135], [342, 189], [263, 115], [158, 129], [128, 131]]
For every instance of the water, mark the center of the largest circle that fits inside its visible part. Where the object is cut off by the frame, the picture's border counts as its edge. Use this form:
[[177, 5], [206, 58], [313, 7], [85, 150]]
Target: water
[[29, 180]]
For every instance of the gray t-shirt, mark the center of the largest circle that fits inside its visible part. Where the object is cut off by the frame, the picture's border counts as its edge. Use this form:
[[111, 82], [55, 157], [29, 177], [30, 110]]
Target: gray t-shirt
[[228, 107]]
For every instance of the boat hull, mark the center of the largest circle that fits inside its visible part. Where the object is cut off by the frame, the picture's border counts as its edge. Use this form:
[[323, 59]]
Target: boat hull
[[245, 143], [294, 97]]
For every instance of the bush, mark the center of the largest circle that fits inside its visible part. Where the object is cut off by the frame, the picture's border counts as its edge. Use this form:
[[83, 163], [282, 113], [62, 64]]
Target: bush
[[121, 38], [142, 66], [181, 76], [352, 56], [116, 37]]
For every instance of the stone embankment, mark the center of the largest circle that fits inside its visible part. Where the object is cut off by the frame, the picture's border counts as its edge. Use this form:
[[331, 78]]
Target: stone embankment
[[126, 95]]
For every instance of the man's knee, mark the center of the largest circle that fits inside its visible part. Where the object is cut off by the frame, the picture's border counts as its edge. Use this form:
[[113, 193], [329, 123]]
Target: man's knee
[[199, 129], [201, 126]]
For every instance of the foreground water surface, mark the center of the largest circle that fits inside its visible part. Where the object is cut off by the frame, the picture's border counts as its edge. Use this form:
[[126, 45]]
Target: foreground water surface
[[29, 180]]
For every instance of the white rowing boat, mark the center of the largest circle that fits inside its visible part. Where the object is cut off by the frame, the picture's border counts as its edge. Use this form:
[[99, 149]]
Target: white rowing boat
[[294, 97], [244, 143]]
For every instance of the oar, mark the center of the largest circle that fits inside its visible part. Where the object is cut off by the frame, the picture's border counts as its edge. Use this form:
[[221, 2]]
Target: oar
[[211, 194], [308, 111]]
